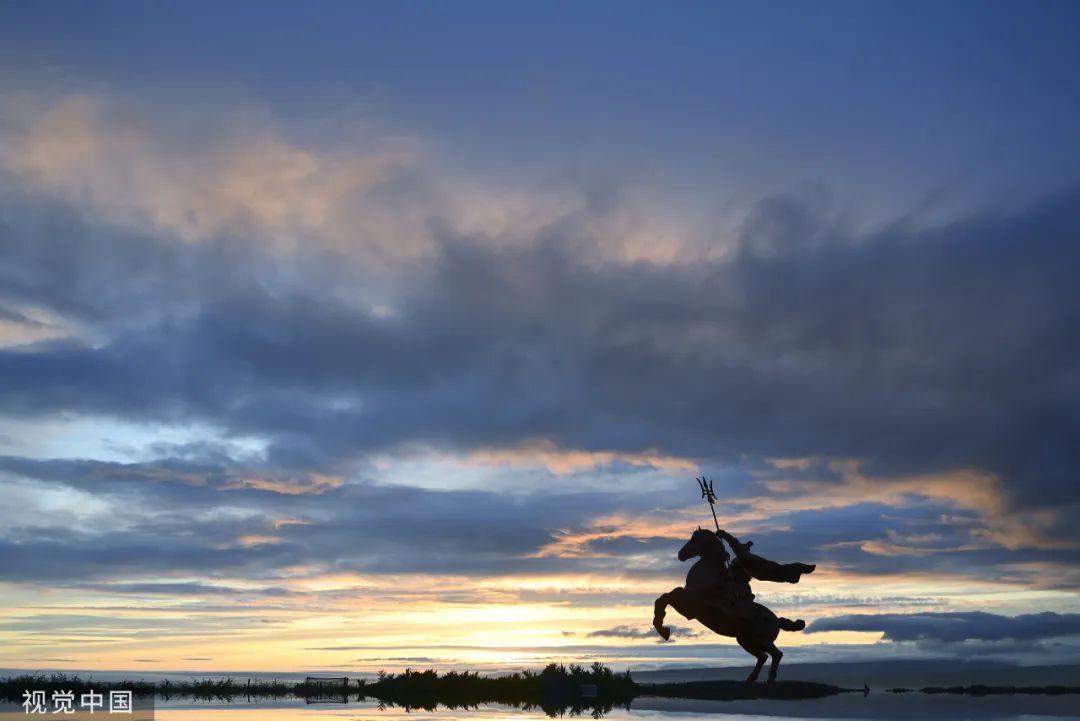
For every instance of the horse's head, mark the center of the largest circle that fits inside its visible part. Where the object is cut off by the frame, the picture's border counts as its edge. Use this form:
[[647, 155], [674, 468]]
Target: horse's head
[[703, 543]]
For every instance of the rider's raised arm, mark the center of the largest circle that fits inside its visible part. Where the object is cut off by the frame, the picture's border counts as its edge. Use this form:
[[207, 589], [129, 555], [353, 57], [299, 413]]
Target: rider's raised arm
[[740, 548], [727, 536]]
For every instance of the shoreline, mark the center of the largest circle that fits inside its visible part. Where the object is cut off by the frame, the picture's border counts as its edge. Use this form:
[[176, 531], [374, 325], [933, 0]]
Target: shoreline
[[557, 687]]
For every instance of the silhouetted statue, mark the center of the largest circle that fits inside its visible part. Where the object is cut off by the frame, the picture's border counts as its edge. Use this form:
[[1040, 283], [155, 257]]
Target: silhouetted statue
[[718, 595]]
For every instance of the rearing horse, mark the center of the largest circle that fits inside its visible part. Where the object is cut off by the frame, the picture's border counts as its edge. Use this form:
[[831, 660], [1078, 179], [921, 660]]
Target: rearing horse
[[755, 630]]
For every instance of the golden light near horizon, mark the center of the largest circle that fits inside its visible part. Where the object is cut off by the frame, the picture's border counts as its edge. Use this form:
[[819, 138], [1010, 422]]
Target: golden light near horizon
[[368, 633]]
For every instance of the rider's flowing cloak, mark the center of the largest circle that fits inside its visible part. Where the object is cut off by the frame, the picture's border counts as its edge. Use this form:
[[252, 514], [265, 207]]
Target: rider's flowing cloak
[[762, 568]]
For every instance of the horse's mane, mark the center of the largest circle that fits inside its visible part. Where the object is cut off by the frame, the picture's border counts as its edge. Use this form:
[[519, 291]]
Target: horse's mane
[[713, 541]]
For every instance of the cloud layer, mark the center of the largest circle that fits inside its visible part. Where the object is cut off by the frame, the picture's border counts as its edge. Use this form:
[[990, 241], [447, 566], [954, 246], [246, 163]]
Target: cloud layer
[[341, 363], [953, 627]]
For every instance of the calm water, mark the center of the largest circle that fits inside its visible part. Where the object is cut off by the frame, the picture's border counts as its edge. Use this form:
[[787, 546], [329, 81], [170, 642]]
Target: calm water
[[877, 706]]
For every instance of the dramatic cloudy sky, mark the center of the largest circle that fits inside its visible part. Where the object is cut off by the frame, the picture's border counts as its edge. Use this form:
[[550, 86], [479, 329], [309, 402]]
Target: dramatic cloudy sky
[[392, 334]]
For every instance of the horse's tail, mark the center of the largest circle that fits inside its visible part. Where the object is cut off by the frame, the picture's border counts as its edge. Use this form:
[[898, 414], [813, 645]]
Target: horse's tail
[[786, 624]]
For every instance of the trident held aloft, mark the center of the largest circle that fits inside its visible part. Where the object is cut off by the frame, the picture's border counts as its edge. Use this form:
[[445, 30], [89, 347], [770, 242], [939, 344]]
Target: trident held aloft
[[709, 495]]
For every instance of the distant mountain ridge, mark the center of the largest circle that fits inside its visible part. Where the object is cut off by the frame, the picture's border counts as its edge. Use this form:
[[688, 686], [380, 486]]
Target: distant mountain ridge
[[910, 673]]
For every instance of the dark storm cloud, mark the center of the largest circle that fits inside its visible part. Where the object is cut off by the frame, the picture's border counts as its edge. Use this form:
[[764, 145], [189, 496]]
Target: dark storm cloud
[[104, 626], [633, 545], [911, 349], [868, 538], [183, 589], [643, 632], [179, 516], [116, 555], [956, 627], [171, 528], [14, 316]]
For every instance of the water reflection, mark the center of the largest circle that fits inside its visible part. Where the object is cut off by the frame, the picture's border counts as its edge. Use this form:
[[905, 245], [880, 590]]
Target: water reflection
[[877, 707]]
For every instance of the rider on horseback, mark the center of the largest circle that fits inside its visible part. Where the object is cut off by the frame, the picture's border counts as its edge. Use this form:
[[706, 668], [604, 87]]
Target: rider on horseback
[[717, 594]]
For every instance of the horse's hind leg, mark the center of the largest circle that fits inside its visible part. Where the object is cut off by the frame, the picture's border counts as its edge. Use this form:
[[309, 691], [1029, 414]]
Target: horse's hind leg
[[776, 654], [754, 650]]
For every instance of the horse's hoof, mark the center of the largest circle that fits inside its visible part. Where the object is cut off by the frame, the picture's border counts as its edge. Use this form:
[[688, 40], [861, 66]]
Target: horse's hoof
[[664, 631]]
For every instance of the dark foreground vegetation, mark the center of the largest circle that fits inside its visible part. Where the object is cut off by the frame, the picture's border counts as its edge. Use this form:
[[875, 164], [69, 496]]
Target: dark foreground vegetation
[[557, 690]]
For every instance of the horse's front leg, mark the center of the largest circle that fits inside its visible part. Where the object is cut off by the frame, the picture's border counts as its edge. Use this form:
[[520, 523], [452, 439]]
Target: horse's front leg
[[676, 598], [659, 611]]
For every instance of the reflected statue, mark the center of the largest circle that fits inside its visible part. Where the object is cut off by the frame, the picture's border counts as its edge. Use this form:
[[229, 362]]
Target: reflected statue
[[717, 594]]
